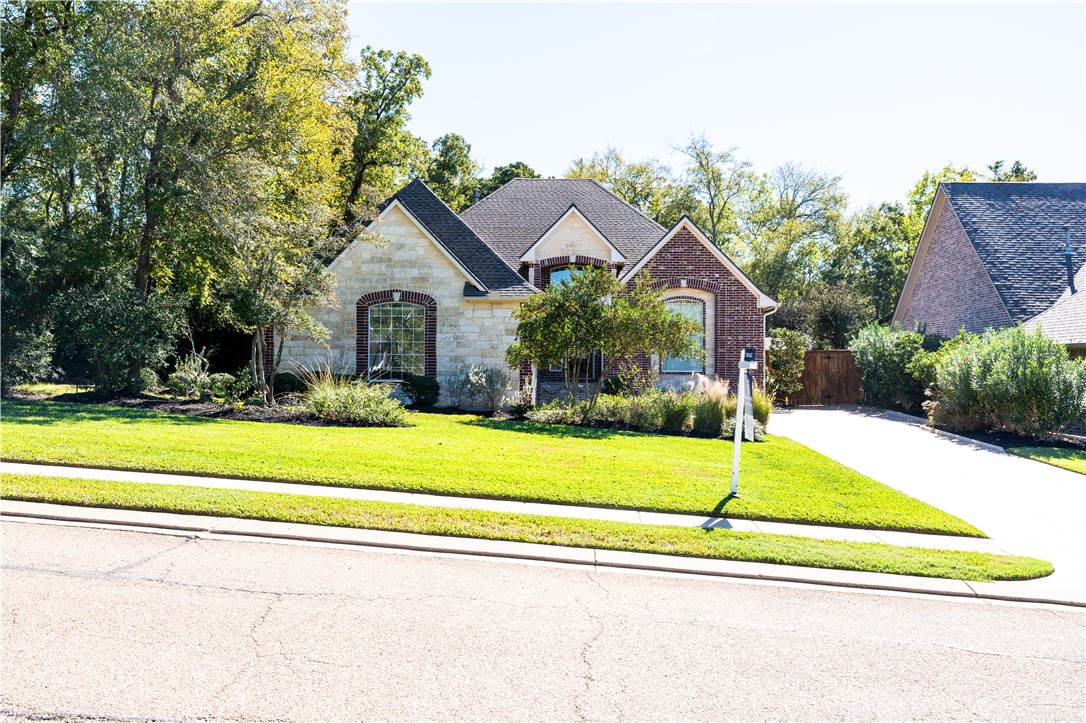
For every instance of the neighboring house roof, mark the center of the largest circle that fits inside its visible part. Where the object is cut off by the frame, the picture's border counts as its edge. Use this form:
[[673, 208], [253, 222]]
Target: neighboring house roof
[[1017, 232], [461, 242], [514, 217], [1065, 321]]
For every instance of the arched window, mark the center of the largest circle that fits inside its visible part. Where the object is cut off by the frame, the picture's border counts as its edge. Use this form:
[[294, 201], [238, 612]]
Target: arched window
[[560, 276], [397, 340], [693, 309]]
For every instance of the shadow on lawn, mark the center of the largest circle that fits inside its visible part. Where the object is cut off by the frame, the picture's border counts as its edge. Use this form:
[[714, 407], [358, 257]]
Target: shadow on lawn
[[549, 430], [42, 413]]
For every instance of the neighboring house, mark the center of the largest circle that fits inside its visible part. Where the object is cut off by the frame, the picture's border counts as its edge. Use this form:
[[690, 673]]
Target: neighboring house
[[442, 289], [997, 254]]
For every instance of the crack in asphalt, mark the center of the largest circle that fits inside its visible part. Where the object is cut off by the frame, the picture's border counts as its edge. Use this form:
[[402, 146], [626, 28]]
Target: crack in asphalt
[[148, 558], [580, 700]]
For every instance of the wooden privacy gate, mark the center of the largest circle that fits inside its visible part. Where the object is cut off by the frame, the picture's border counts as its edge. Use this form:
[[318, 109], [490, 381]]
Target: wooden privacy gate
[[829, 377]]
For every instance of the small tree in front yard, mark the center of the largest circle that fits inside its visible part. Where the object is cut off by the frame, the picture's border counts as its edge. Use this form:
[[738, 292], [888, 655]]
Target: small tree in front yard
[[593, 312]]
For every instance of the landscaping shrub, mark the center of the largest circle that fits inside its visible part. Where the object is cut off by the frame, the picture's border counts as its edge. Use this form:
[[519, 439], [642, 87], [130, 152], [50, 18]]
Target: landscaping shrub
[[1008, 380], [358, 402], [423, 391], [785, 369], [25, 356], [464, 386], [558, 411], [728, 429], [522, 402], [493, 383], [883, 354], [763, 405], [676, 412], [190, 378], [115, 331], [644, 413], [149, 379], [711, 405]]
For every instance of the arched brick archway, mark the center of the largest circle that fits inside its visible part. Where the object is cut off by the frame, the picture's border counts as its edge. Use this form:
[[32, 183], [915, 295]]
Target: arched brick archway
[[545, 266], [362, 327]]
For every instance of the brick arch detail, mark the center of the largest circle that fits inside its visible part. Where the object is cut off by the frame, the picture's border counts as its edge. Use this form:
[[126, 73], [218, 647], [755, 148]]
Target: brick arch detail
[[679, 284], [362, 326], [544, 266]]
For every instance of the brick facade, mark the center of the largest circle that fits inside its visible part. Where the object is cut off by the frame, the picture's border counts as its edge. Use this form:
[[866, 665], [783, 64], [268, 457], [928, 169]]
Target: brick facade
[[685, 263], [952, 289], [362, 327]]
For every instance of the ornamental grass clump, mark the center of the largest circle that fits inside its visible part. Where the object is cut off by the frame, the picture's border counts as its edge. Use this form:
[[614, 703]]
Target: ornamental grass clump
[[356, 403]]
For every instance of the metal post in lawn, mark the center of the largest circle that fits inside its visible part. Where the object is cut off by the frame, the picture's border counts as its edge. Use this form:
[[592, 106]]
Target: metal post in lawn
[[746, 364]]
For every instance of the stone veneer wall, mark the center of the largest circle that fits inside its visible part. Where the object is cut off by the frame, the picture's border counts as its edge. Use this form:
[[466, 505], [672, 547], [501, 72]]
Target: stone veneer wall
[[952, 288], [473, 331]]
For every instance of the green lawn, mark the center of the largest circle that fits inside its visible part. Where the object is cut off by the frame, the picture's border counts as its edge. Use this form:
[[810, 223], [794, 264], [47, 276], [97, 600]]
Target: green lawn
[[686, 541], [1072, 459], [474, 456]]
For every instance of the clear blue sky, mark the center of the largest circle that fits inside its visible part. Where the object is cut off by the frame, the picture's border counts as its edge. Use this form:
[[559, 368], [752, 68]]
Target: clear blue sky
[[876, 93]]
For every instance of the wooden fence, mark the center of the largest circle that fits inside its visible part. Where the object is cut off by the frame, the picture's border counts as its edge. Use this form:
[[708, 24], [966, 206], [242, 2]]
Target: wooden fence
[[829, 377]]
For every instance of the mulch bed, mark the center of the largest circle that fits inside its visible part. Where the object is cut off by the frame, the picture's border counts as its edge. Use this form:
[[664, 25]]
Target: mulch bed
[[250, 413]]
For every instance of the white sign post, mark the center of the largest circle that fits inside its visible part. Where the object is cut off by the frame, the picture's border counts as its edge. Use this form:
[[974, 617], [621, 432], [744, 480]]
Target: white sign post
[[746, 364]]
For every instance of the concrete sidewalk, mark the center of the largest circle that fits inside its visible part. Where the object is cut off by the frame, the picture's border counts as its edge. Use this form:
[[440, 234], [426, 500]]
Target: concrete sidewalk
[[1028, 507], [1034, 591], [911, 539]]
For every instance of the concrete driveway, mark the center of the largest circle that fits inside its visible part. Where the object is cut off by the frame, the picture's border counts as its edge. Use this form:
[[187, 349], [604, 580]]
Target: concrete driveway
[[1027, 507]]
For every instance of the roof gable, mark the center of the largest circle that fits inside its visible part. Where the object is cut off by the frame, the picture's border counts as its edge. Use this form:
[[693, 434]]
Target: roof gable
[[1017, 230], [514, 217], [532, 254], [764, 301]]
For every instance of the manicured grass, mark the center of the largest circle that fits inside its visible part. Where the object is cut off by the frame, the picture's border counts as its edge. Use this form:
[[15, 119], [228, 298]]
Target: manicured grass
[[45, 389], [474, 456], [1072, 459], [686, 541]]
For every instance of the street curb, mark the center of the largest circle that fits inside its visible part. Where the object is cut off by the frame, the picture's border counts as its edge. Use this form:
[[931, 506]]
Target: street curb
[[229, 527]]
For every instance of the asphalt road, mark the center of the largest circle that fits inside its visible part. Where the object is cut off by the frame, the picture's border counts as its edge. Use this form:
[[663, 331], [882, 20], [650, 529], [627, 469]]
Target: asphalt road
[[124, 624]]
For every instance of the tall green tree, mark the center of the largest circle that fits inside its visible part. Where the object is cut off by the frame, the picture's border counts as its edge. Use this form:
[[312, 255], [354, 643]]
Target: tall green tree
[[503, 175], [792, 219], [1017, 172], [452, 174], [923, 194], [649, 185], [384, 153], [873, 256], [719, 181], [116, 114]]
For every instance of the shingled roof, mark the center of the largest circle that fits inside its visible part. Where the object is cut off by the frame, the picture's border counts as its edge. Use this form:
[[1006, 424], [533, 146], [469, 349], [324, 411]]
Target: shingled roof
[[512, 218], [1017, 231], [461, 242]]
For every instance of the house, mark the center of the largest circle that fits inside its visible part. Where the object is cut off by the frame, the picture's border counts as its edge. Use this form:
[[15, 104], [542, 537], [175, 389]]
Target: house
[[999, 254], [441, 291]]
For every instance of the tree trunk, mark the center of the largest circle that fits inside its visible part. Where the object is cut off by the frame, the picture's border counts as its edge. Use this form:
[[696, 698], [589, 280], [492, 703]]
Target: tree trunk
[[259, 371]]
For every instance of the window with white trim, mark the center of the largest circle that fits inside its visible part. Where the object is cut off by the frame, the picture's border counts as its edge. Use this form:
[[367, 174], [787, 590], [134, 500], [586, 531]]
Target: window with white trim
[[695, 311], [397, 340]]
